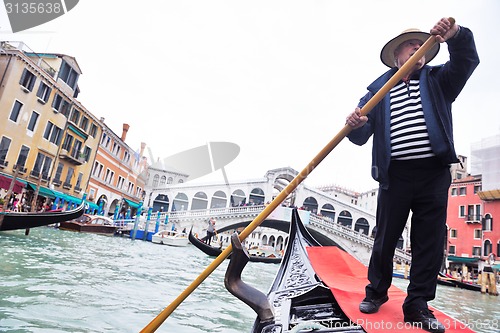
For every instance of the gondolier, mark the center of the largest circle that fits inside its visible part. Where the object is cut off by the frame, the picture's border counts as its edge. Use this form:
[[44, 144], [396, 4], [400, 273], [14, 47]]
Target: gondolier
[[412, 150], [210, 230]]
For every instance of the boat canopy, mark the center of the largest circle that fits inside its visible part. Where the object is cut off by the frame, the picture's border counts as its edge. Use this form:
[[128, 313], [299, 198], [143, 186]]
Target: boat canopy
[[462, 260]]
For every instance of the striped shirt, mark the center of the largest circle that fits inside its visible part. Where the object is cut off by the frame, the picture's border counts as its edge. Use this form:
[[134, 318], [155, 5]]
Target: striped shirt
[[409, 136]]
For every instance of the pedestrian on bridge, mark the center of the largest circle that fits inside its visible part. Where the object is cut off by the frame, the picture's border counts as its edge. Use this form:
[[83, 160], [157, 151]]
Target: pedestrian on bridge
[[412, 151]]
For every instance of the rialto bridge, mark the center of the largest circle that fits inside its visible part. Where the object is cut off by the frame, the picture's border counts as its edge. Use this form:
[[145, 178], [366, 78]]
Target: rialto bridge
[[236, 204], [192, 197]]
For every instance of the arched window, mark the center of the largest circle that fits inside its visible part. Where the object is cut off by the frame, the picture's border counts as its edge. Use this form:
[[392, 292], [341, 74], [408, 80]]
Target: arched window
[[257, 197], [345, 218], [200, 201], [180, 202], [488, 248], [170, 180], [163, 180], [280, 243], [156, 179], [161, 203], [363, 226], [487, 222], [328, 211], [238, 198], [219, 200], [311, 204], [272, 241]]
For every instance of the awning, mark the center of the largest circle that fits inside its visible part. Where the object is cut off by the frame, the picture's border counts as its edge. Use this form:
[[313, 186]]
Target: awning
[[78, 132], [132, 204], [92, 206], [67, 197], [489, 195], [43, 191], [75, 200], [497, 266], [5, 184], [462, 260]]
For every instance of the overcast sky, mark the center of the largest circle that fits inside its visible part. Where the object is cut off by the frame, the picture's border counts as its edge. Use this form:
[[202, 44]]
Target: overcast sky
[[278, 78]]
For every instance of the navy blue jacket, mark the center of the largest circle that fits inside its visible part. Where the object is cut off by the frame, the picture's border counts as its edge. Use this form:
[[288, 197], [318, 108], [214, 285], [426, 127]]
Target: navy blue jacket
[[439, 87]]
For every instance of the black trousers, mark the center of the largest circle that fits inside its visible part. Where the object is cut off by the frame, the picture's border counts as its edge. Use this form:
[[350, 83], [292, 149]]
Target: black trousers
[[420, 186], [209, 237]]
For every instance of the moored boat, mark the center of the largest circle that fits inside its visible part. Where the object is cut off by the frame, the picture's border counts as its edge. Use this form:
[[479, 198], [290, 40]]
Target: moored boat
[[453, 282], [96, 224], [169, 237], [263, 251], [216, 251], [27, 220]]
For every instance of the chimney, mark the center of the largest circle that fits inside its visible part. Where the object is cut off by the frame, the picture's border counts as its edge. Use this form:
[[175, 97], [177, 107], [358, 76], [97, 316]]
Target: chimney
[[125, 130], [143, 146]]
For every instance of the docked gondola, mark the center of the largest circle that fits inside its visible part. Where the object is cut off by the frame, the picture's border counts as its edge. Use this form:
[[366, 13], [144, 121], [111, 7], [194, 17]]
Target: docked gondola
[[213, 251], [317, 289], [453, 282], [27, 220]]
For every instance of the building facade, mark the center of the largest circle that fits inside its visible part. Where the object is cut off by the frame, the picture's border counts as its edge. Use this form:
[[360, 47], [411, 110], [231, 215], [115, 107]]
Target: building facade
[[118, 175], [472, 234], [465, 214], [48, 139], [158, 177]]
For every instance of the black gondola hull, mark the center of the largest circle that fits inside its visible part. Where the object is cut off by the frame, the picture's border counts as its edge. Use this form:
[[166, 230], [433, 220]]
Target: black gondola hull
[[24, 220]]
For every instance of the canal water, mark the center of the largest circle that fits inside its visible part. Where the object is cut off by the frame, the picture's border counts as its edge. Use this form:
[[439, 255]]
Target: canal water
[[60, 281]]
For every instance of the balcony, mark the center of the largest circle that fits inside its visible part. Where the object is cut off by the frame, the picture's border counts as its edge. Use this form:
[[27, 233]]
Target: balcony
[[3, 163], [73, 157], [67, 186], [77, 189], [57, 182], [473, 218]]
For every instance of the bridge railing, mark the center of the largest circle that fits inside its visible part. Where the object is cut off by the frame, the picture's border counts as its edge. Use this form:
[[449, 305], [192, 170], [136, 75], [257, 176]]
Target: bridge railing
[[348, 233], [220, 213], [338, 228]]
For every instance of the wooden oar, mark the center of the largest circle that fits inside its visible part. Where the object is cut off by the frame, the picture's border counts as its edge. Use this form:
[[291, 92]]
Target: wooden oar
[[404, 70]]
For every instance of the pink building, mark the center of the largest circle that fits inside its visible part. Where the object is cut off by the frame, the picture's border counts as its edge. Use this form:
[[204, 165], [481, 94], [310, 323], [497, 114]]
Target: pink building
[[472, 234]]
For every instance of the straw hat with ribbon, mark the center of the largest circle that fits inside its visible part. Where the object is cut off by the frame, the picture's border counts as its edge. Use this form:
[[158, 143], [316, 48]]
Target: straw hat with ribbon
[[387, 53]]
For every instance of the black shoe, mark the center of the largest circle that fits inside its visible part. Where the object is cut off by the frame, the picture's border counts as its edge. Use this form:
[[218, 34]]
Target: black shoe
[[371, 305], [425, 320]]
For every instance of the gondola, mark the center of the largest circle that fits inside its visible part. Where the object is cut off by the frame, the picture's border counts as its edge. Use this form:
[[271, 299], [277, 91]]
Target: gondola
[[297, 294], [215, 251], [452, 282], [318, 289], [27, 220]]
